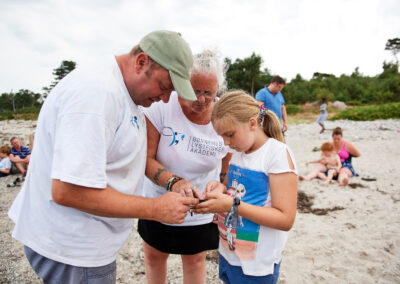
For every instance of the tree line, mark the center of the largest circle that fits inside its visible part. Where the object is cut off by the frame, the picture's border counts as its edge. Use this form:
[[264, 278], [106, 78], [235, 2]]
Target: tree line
[[247, 74]]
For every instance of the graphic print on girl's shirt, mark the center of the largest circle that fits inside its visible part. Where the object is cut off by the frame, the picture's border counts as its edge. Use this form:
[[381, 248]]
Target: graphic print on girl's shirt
[[251, 187]]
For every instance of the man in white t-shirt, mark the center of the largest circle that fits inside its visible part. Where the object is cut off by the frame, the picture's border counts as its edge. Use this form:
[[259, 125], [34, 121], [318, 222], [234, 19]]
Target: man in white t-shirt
[[83, 185]]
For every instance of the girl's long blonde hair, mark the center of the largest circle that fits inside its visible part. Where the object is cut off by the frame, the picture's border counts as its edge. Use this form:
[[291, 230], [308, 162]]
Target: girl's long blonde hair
[[240, 106]]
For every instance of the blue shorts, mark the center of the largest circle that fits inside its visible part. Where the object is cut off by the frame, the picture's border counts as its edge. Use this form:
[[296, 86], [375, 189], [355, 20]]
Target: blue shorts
[[57, 272], [347, 164], [231, 274]]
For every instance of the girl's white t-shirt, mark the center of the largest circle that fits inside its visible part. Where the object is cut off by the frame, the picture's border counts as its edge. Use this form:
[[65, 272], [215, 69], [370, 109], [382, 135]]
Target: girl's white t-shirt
[[257, 248], [186, 149], [89, 133]]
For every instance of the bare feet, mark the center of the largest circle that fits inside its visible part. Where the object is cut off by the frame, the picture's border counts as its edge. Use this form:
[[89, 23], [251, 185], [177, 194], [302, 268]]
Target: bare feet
[[304, 178], [344, 182]]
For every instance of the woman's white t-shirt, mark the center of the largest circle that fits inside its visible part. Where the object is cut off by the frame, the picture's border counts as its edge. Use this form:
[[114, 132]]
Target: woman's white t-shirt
[[186, 149]]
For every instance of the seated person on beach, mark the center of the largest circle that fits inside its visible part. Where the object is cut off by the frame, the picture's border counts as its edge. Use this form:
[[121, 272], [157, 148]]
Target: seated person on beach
[[5, 163], [328, 165], [20, 155], [346, 151]]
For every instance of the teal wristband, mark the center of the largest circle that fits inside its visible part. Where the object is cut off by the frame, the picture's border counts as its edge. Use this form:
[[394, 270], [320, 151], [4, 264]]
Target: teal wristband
[[171, 182]]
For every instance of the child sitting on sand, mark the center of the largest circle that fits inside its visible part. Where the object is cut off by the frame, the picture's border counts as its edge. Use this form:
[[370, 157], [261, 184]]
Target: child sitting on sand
[[5, 163], [328, 165]]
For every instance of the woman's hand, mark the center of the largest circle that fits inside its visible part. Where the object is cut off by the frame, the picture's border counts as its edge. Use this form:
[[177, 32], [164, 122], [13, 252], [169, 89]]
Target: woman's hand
[[215, 202], [186, 188]]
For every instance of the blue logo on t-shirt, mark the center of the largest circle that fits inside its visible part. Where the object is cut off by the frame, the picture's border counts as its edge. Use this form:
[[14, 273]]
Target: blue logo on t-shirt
[[175, 136], [134, 121]]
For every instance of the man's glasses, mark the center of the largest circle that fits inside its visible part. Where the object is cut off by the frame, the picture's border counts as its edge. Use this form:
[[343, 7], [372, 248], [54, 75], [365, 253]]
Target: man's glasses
[[207, 94]]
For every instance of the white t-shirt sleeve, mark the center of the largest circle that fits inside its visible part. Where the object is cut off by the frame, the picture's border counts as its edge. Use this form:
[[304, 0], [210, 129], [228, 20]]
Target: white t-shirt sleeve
[[80, 152], [155, 113], [5, 163], [279, 162]]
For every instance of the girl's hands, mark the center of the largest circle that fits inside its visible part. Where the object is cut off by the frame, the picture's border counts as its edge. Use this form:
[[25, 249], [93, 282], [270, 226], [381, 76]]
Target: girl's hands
[[216, 201], [213, 186]]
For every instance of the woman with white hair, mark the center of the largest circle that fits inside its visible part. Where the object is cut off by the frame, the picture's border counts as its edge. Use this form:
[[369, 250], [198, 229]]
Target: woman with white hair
[[184, 153]]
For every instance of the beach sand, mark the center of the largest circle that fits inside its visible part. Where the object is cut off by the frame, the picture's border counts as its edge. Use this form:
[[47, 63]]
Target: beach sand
[[345, 234]]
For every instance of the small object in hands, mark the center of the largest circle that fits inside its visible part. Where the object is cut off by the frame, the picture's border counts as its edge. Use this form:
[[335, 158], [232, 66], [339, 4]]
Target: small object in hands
[[233, 221], [193, 191], [194, 195], [202, 200]]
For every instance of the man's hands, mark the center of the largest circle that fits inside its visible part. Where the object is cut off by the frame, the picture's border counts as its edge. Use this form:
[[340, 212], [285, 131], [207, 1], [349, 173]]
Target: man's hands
[[172, 207], [285, 127], [169, 208], [213, 199]]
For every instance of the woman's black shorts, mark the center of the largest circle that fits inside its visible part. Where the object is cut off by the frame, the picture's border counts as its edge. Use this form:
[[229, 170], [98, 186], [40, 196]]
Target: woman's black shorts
[[179, 239]]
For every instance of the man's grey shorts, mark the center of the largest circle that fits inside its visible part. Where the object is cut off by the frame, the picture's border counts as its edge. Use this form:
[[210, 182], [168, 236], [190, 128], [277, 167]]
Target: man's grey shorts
[[56, 272]]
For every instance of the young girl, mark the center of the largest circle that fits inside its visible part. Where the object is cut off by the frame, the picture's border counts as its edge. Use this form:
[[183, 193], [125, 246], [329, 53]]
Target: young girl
[[262, 195]]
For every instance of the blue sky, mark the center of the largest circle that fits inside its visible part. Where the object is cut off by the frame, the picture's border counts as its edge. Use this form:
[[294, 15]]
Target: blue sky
[[292, 36]]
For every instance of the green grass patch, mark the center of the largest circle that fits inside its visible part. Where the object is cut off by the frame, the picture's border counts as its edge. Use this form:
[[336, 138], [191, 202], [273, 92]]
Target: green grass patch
[[28, 113], [368, 113], [292, 109]]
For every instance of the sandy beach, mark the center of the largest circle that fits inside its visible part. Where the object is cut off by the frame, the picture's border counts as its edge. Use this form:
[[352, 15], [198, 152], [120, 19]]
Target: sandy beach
[[345, 234]]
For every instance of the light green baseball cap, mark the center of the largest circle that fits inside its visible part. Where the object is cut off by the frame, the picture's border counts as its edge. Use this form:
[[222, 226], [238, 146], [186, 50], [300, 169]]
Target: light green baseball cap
[[172, 52]]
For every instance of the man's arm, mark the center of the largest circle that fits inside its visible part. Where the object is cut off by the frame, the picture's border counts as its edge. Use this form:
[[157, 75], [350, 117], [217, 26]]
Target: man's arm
[[15, 159], [284, 118], [27, 158], [169, 208]]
